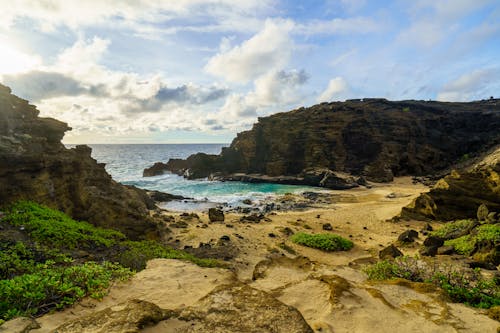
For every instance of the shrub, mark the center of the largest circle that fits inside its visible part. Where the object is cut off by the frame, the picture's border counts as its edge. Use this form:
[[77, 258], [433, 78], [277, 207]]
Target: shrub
[[449, 229], [51, 287], [326, 242], [486, 235], [460, 284], [49, 226]]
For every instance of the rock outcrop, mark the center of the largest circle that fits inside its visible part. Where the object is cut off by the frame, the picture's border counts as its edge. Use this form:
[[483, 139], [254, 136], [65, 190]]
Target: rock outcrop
[[374, 138], [460, 194], [35, 165]]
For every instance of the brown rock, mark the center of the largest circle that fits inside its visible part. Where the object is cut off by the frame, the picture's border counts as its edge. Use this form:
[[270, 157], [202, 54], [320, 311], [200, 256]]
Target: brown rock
[[408, 236], [390, 252], [156, 169], [215, 215], [35, 165], [370, 137], [19, 325], [240, 308], [129, 317]]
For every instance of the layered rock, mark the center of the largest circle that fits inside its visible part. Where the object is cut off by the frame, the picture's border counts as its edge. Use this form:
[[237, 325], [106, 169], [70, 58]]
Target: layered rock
[[374, 138], [460, 194], [35, 165]]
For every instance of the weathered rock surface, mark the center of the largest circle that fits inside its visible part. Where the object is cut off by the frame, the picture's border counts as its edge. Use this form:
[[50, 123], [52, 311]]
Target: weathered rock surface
[[35, 165], [127, 317], [460, 194], [215, 215], [19, 325], [375, 138]]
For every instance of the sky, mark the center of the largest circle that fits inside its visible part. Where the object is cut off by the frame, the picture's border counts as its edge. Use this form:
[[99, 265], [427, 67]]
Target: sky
[[200, 71]]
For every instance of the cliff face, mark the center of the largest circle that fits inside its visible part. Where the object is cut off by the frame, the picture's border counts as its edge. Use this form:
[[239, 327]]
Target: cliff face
[[459, 195], [374, 138], [34, 165]]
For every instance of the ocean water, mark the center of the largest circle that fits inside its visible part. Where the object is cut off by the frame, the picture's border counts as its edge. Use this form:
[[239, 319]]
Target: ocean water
[[125, 164]]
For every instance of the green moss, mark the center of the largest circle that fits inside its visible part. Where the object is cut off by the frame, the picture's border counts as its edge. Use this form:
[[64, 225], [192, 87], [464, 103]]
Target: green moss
[[325, 242], [448, 229], [382, 270], [54, 228]]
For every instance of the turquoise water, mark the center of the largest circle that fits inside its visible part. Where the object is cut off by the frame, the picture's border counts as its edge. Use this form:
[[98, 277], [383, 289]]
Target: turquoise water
[[125, 163]]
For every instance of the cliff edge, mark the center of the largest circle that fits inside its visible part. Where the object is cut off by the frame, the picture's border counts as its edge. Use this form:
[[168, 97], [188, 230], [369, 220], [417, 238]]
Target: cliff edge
[[35, 165]]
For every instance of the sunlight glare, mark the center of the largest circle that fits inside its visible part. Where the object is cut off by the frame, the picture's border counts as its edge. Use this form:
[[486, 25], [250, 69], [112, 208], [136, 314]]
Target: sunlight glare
[[13, 61]]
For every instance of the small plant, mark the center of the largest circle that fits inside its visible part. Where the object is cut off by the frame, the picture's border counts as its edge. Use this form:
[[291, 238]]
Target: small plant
[[325, 242], [406, 109], [450, 229], [460, 284]]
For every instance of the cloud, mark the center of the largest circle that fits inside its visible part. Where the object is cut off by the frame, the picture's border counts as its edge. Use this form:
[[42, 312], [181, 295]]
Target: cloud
[[340, 26], [269, 49], [478, 84], [277, 88], [146, 17], [37, 85], [337, 88]]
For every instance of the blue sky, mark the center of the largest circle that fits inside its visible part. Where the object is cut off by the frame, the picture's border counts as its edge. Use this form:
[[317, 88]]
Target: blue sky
[[202, 70]]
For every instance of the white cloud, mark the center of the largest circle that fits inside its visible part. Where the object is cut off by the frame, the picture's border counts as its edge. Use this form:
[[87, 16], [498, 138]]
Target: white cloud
[[269, 49], [141, 16], [478, 84], [337, 88], [340, 26]]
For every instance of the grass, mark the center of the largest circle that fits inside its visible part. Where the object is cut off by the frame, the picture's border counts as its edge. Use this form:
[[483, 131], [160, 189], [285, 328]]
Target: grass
[[40, 270], [49, 226], [325, 242], [461, 285]]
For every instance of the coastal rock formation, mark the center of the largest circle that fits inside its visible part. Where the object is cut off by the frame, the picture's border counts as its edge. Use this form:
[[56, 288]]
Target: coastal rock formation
[[460, 194], [374, 138], [35, 165]]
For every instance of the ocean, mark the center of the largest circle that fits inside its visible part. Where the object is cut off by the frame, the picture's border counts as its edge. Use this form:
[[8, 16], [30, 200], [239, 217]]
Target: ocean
[[125, 163]]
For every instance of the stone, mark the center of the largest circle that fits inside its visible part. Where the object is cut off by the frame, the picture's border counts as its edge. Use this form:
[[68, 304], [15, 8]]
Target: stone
[[19, 325], [240, 308], [131, 317], [446, 250], [408, 236], [482, 213], [429, 251], [215, 215], [327, 226], [434, 241], [247, 202], [390, 251]]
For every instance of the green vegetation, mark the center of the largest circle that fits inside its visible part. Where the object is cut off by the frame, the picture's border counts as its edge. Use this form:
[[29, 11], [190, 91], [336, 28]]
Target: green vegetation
[[138, 253], [49, 261], [325, 242], [406, 109], [460, 284], [451, 228], [49, 226], [485, 235]]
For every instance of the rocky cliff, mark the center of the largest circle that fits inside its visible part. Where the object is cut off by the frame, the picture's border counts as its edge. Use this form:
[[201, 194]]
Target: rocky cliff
[[35, 165], [460, 194], [374, 138]]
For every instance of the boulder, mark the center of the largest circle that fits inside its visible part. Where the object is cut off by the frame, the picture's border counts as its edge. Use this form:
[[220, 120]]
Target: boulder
[[390, 251], [482, 213], [131, 316], [19, 325], [446, 250], [434, 241], [408, 236], [327, 226], [215, 215], [240, 308]]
